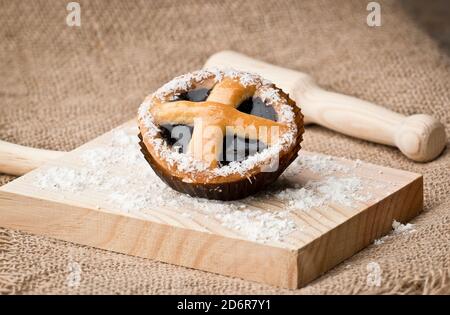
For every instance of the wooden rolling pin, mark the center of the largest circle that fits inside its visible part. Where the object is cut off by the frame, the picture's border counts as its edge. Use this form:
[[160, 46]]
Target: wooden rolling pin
[[420, 137]]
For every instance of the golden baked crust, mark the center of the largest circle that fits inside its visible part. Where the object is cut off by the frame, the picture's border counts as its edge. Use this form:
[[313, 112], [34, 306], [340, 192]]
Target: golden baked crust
[[229, 89]]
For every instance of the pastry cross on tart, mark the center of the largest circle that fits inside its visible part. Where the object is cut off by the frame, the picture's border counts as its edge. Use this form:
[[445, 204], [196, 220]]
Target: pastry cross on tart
[[217, 110], [215, 117]]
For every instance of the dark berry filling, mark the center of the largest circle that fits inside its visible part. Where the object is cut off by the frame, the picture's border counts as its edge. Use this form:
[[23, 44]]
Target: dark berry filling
[[234, 148], [198, 95], [177, 136], [256, 107]]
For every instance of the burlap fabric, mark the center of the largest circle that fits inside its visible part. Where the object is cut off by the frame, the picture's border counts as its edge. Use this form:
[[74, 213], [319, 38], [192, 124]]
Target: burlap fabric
[[62, 86]]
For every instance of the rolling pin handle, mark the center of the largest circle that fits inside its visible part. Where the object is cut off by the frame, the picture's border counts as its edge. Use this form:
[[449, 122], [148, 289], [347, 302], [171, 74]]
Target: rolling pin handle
[[421, 137], [17, 159]]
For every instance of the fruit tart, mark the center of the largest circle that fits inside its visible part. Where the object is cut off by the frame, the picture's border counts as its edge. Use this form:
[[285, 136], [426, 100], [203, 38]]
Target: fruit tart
[[219, 133]]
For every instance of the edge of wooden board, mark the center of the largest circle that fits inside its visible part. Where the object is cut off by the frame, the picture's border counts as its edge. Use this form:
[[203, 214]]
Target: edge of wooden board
[[143, 238], [200, 250], [359, 231]]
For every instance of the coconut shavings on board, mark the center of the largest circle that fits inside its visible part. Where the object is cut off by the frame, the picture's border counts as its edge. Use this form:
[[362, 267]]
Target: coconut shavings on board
[[397, 229], [118, 172]]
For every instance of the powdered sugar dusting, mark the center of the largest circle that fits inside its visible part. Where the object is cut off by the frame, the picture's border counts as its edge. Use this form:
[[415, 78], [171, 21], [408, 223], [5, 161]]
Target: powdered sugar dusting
[[319, 164], [118, 172], [269, 94], [400, 228], [64, 179], [397, 229], [332, 190], [336, 184]]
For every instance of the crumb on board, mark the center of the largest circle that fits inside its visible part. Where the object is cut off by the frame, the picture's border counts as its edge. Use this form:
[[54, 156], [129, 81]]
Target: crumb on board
[[397, 229]]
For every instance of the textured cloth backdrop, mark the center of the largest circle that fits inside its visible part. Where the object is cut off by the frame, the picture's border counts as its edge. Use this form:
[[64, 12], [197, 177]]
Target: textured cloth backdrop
[[62, 86]]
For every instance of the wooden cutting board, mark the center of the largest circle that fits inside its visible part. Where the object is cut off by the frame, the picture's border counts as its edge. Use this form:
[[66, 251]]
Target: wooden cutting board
[[323, 211]]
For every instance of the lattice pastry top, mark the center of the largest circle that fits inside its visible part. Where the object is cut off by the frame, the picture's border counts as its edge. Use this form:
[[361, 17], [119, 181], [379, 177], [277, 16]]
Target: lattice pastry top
[[218, 126]]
